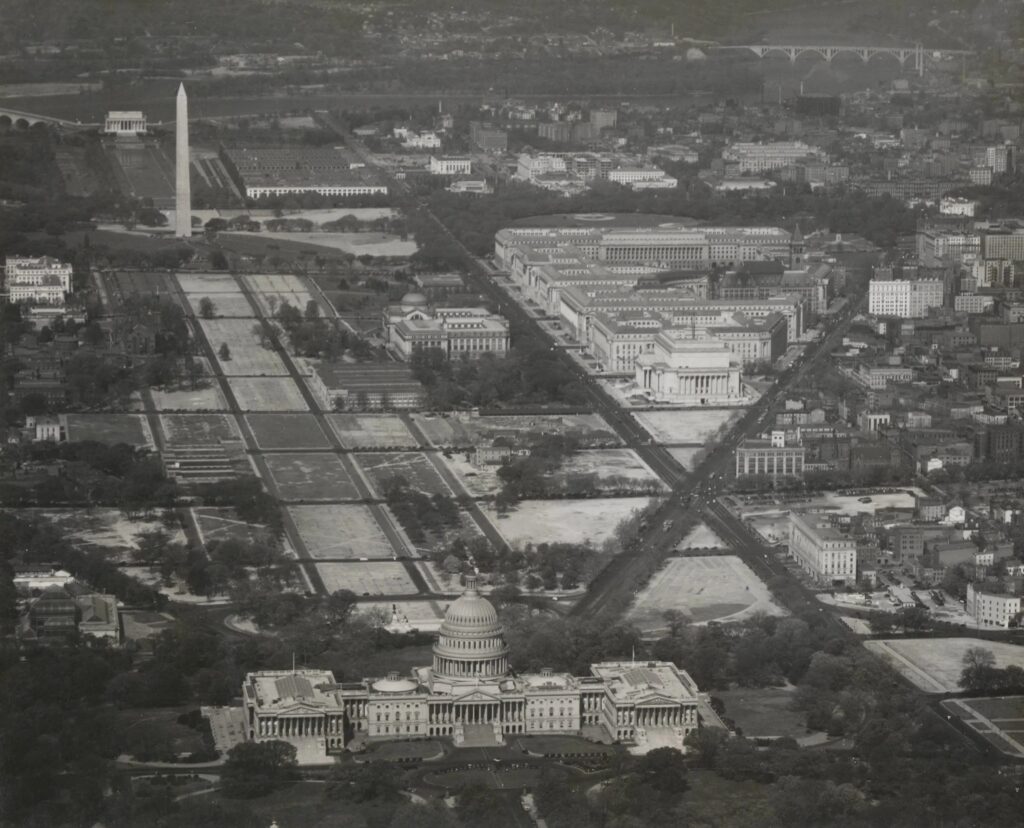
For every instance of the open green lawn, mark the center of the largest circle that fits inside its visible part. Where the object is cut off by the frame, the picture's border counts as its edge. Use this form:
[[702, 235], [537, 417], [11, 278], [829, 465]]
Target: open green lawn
[[255, 245], [109, 428], [302, 804], [118, 241], [764, 711]]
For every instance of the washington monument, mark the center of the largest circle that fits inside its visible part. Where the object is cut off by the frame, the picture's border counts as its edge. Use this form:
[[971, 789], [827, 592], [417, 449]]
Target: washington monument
[[182, 188]]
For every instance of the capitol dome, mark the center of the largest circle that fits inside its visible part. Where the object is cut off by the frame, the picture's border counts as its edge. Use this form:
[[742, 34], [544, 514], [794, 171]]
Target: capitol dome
[[471, 641], [415, 300]]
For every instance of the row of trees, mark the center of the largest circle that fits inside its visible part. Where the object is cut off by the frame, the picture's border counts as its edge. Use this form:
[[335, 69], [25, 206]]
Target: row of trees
[[530, 374], [422, 516], [534, 566], [313, 336]]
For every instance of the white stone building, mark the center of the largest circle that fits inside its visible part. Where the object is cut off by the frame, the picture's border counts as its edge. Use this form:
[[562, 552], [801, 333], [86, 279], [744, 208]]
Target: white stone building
[[755, 157], [824, 553], [773, 458], [124, 123], [643, 178], [688, 371], [450, 165], [990, 608], [41, 281], [470, 695], [413, 324], [904, 298]]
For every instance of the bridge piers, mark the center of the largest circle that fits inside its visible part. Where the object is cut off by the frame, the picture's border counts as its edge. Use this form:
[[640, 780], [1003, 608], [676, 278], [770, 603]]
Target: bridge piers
[[865, 53]]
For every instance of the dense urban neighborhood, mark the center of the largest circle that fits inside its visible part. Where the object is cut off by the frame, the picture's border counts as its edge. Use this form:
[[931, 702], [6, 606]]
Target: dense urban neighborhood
[[592, 414]]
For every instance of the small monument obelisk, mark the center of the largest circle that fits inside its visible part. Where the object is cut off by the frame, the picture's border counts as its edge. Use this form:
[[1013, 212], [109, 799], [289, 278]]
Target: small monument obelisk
[[182, 185]]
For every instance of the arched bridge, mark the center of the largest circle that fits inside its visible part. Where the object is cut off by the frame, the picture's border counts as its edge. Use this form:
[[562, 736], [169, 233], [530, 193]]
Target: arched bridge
[[15, 119], [865, 53]]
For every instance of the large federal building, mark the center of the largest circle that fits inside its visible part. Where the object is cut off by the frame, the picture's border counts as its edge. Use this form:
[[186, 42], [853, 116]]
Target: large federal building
[[471, 696], [689, 372], [38, 281], [413, 324], [823, 552]]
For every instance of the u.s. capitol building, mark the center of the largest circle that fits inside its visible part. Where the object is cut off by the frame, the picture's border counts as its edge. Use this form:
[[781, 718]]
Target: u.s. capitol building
[[471, 696]]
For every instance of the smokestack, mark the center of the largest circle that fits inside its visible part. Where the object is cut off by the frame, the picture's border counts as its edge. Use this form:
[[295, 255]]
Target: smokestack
[[183, 186]]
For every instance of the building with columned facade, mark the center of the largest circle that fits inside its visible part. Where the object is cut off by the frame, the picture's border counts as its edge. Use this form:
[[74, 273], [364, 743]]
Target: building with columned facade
[[470, 695], [823, 552], [124, 123], [679, 369], [772, 458], [36, 280], [413, 324]]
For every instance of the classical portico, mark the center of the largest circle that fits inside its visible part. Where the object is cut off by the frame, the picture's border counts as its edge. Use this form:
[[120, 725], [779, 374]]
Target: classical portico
[[680, 369], [124, 123]]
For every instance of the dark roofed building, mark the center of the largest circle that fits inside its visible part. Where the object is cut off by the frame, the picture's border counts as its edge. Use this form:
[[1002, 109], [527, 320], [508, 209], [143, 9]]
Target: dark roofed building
[[369, 386]]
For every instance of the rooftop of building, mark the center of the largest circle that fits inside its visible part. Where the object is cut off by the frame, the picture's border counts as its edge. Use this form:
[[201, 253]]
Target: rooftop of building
[[639, 682], [369, 376], [820, 527], [286, 688]]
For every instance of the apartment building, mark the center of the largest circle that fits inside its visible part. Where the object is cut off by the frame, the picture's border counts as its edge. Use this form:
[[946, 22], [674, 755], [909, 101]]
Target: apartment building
[[904, 298]]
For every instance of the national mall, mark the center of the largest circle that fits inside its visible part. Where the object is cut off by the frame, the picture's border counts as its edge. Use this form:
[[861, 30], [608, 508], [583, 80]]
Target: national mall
[[471, 696]]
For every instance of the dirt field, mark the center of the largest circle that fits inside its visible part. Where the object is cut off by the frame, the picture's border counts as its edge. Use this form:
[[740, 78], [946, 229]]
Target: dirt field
[[569, 521], [311, 477], [359, 244], [935, 664], [107, 530], [688, 456], [283, 288], [607, 463], [702, 536], [374, 578], [220, 524], [122, 284], [358, 431], [713, 588], [415, 468], [248, 357], [999, 720], [469, 430], [267, 394], [132, 429], [423, 615], [232, 305], [686, 426], [196, 429], [287, 431], [340, 532], [202, 399], [208, 284], [481, 481]]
